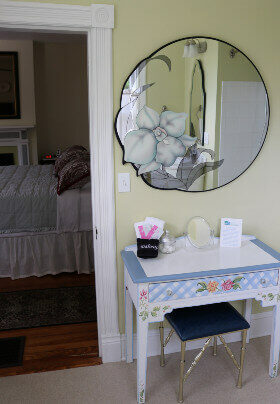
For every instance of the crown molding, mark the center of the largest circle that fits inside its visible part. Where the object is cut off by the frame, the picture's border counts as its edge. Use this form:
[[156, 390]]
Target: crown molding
[[45, 15]]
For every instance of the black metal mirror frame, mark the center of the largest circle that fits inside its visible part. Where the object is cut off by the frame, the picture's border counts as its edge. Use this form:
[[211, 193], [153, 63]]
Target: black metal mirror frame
[[149, 58]]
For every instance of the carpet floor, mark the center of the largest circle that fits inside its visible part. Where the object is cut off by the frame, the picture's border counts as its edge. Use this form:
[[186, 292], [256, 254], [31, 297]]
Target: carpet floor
[[46, 307], [212, 382]]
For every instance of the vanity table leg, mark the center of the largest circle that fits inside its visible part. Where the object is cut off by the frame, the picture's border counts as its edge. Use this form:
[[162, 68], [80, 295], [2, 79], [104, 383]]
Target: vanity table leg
[[142, 340], [275, 342], [128, 326], [247, 315]]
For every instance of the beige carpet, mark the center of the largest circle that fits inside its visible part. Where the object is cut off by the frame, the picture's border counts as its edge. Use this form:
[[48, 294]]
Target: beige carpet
[[213, 381]]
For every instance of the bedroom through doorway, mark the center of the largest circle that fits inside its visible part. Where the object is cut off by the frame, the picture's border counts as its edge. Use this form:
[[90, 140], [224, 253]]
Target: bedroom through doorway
[[47, 283]]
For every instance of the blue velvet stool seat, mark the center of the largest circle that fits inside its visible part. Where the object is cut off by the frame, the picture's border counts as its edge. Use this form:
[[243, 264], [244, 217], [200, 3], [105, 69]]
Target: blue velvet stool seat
[[209, 321], [205, 321]]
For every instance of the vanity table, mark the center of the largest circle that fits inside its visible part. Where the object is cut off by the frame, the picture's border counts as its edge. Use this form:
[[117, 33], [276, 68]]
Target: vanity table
[[193, 277]]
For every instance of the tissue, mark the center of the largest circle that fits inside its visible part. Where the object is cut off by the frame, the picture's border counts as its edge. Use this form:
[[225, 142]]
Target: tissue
[[150, 228]]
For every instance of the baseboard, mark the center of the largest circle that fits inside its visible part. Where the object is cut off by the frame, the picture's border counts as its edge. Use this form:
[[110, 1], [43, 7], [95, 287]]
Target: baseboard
[[261, 324], [113, 346]]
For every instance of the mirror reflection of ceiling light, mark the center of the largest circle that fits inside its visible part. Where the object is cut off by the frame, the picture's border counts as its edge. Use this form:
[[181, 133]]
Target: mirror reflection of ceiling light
[[193, 47]]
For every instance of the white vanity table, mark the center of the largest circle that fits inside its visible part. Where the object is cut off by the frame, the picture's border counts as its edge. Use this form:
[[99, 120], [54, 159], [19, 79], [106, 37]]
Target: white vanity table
[[193, 277]]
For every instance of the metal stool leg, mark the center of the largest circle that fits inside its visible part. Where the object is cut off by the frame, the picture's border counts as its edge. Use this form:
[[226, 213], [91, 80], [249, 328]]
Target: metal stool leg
[[215, 346], [182, 368], [161, 333], [242, 355]]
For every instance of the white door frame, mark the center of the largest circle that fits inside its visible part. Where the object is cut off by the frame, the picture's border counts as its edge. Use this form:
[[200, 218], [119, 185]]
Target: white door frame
[[97, 21]]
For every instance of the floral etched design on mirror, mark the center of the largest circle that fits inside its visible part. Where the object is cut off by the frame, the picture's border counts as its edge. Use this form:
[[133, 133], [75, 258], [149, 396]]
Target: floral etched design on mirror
[[193, 115]]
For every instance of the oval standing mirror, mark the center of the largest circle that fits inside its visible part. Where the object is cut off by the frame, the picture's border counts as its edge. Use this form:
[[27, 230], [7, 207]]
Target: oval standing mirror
[[193, 115], [199, 233]]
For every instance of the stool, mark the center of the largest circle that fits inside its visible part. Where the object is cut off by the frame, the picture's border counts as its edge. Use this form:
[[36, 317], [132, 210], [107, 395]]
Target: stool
[[211, 321]]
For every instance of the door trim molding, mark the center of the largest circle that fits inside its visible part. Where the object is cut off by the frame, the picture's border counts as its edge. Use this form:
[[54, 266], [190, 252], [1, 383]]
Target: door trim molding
[[97, 20]]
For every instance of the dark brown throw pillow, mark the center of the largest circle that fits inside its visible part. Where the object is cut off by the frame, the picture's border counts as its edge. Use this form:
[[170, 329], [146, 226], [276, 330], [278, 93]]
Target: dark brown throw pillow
[[75, 148], [75, 174], [69, 154]]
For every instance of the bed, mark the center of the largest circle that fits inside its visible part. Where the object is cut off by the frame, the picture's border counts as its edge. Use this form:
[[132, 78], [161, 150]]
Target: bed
[[41, 232]]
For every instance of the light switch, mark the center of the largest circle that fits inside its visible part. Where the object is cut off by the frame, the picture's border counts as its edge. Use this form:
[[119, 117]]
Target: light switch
[[206, 138], [124, 182]]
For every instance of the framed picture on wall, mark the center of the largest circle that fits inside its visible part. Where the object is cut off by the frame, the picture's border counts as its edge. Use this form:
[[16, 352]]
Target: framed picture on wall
[[9, 86]]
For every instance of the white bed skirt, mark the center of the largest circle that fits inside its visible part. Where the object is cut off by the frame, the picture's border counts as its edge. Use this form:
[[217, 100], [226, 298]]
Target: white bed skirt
[[41, 254]]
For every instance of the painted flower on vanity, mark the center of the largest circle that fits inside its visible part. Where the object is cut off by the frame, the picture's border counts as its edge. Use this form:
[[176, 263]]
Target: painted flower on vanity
[[268, 299], [146, 312], [225, 285], [187, 120]]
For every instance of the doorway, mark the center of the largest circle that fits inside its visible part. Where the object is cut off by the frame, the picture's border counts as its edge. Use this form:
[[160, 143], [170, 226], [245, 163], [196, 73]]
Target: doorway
[[97, 22], [47, 283]]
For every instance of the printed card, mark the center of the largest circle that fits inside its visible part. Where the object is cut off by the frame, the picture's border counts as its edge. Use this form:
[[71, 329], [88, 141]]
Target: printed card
[[231, 232]]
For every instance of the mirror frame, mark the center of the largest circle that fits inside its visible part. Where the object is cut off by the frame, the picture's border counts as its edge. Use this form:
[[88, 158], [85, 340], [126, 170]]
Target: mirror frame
[[198, 65], [148, 58], [211, 235]]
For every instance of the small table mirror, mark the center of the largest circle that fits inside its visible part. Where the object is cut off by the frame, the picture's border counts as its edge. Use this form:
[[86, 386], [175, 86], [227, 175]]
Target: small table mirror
[[199, 232]]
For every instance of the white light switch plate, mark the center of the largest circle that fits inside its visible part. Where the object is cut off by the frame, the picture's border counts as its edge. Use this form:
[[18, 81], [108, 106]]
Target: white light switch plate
[[124, 182]]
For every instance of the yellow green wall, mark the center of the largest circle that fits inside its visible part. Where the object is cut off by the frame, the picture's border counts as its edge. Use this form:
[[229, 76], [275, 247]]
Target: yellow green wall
[[169, 87], [251, 25]]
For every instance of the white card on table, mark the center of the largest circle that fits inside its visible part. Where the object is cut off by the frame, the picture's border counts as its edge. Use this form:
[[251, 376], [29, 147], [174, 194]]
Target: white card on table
[[231, 232]]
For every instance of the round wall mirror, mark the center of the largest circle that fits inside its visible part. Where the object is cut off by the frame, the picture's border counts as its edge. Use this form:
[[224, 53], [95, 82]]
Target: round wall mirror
[[193, 115], [199, 233]]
